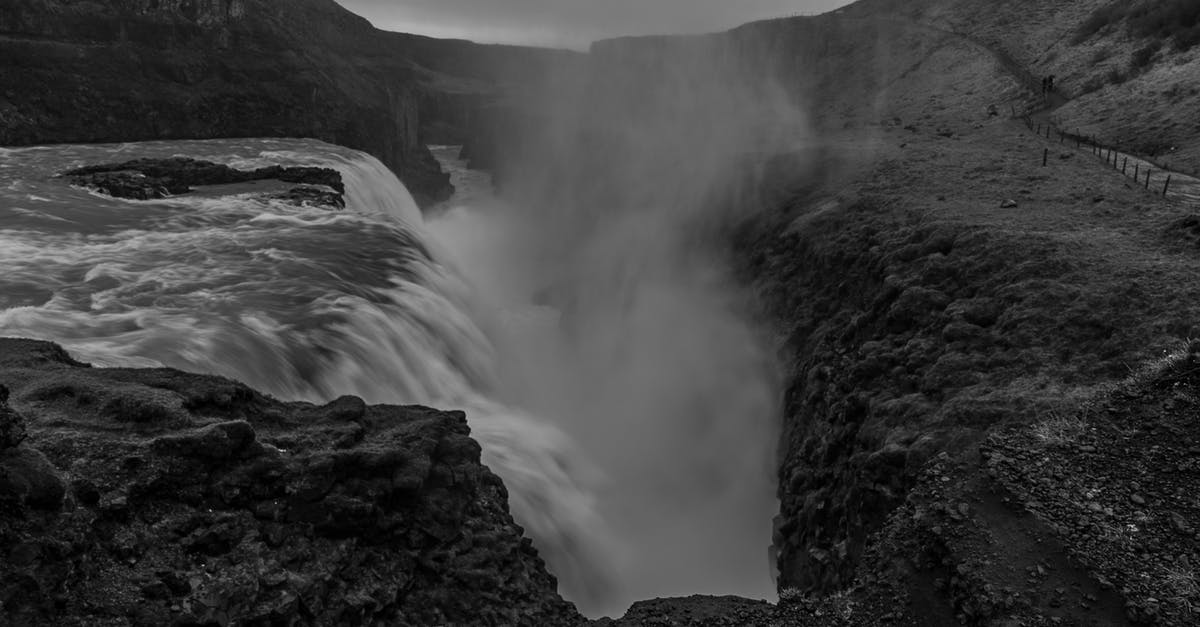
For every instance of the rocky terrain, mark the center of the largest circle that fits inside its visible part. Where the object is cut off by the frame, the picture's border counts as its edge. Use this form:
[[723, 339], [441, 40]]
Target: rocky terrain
[[155, 497], [128, 70], [147, 179]]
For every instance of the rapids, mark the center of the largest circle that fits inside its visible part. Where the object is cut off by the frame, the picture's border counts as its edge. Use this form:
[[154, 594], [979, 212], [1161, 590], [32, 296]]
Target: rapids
[[626, 402], [302, 303]]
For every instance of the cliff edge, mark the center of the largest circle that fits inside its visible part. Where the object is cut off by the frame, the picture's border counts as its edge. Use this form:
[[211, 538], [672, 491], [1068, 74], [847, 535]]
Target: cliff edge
[[154, 497]]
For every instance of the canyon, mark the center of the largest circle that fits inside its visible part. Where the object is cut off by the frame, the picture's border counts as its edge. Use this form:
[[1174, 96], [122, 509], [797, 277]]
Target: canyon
[[971, 343]]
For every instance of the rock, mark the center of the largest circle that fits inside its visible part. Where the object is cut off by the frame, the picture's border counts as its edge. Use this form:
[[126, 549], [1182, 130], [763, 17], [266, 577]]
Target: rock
[[146, 179], [916, 304], [1008, 204], [172, 521], [982, 312], [311, 197], [29, 480], [959, 331], [12, 425], [1137, 499]]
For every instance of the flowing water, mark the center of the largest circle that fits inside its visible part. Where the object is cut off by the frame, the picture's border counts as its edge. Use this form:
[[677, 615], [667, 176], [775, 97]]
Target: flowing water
[[638, 467]]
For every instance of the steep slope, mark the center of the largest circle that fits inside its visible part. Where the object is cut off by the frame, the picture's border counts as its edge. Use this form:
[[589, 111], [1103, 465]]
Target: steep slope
[[1128, 69]]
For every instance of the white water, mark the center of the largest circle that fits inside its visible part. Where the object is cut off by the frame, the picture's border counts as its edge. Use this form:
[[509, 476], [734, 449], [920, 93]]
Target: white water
[[632, 420], [303, 303]]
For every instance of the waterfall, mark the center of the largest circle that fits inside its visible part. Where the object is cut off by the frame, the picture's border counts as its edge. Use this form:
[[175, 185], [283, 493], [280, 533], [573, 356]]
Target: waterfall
[[303, 303]]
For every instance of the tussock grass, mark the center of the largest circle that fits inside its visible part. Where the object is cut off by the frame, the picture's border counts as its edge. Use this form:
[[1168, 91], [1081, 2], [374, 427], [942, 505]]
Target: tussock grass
[[1059, 430], [1179, 581], [1173, 364]]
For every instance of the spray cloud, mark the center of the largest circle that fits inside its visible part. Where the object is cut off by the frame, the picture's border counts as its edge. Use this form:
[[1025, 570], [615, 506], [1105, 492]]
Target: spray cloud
[[606, 283]]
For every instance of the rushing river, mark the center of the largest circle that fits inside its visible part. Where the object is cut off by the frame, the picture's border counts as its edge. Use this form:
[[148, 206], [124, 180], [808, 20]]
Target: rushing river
[[636, 473]]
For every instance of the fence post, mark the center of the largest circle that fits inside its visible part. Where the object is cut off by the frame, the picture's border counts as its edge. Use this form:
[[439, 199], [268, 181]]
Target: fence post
[[1124, 164], [1136, 166], [1147, 178], [1166, 185], [1045, 157]]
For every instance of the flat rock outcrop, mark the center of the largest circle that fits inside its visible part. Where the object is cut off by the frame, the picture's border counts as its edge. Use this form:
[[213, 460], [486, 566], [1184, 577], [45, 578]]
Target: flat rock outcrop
[[147, 179], [156, 497]]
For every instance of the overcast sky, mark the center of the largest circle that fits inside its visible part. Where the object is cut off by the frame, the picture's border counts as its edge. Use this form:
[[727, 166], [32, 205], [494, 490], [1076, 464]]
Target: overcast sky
[[571, 23]]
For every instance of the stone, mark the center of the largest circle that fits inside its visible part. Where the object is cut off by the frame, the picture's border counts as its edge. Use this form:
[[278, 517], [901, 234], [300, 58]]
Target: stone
[[12, 425], [148, 179], [29, 479], [199, 516]]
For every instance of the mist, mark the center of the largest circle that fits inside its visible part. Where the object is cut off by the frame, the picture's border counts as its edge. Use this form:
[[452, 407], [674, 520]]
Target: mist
[[604, 280]]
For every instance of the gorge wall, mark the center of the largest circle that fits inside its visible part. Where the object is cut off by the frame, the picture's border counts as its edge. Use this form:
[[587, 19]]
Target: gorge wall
[[915, 317]]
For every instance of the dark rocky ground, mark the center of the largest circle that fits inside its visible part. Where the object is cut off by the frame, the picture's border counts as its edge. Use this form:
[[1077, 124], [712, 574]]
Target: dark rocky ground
[[156, 497], [147, 179]]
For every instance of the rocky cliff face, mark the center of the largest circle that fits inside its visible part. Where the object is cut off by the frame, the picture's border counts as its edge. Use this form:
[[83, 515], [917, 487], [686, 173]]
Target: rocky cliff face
[[918, 317], [127, 70], [155, 497]]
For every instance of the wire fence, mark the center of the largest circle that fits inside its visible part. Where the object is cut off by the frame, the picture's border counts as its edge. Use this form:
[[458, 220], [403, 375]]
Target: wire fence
[[1146, 174]]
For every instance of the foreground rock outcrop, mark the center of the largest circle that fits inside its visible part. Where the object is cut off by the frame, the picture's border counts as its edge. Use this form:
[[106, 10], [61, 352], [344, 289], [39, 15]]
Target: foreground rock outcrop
[[154, 497]]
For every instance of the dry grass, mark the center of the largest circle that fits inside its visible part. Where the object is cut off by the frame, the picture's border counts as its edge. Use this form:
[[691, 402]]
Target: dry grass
[[1184, 359], [1059, 430], [1180, 583]]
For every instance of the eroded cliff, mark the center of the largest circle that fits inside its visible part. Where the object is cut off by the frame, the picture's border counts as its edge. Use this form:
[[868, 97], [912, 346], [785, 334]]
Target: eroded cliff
[[155, 497]]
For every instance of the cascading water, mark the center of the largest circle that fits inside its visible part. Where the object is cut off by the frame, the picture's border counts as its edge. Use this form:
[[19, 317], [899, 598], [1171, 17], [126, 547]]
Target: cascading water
[[619, 391], [304, 303]]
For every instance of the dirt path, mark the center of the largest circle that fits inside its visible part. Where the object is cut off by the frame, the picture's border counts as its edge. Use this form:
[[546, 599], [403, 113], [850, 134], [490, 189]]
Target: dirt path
[[1183, 187], [1139, 171]]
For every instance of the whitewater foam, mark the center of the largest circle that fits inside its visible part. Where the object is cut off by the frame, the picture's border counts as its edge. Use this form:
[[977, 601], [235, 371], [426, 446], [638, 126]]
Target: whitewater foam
[[303, 303]]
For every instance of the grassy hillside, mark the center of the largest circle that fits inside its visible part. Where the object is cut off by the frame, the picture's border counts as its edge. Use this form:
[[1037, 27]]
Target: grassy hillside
[[1131, 70]]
